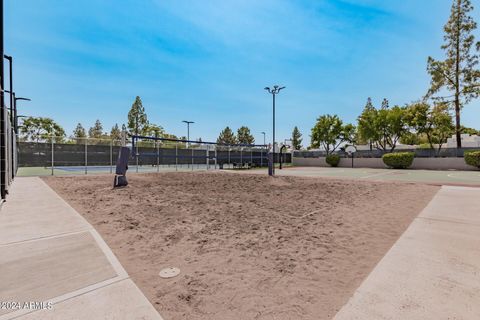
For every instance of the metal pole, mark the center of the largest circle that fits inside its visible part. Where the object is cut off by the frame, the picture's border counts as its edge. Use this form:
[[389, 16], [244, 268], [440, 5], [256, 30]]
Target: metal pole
[[261, 157], [176, 156], [86, 155], [208, 157], [3, 135], [192, 160], [158, 156], [229, 156], [273, 146], [215, 158], [264, 146], [136, 157], [15, 117], [10, 60], [111, 155], [53, 162], [241, 157]]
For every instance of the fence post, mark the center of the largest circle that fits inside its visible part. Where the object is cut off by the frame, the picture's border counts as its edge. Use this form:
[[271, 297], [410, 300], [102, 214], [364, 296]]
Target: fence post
[[176, 156], [86, 155], [229, 156], [158, 155], [192, 160], [241, 157], [208, 156], [111, 156], [261, 157], [215, 158], [53, 162], [136, 156]]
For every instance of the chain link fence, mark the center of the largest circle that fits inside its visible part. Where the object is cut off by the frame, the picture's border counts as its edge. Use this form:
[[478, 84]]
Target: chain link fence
[[61, 156]]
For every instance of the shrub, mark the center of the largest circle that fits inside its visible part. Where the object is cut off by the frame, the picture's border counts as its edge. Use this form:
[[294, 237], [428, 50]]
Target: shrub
[[472, 158], [333, 160], [398, 160]]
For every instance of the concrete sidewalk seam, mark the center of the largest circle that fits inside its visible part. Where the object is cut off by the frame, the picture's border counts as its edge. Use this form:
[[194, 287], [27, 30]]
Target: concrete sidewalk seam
[[71, 295], [59, 235], [449, 221], [101, 243], [118, 294], [431, 272]]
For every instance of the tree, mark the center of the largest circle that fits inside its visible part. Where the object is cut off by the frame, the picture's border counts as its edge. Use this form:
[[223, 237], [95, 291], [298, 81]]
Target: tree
[[367, 130], [470, 131], [79, 133], [244, 136], [383, 128], [96, 131], [41, 129], [296, 139], [153, 130], [115, 132], [137, 118], [457, 73], [227, 137], [329, 132], [435, 123]]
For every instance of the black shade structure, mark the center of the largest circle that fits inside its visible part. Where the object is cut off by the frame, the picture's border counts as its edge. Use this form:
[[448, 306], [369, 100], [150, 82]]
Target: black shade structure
[[274, 91]]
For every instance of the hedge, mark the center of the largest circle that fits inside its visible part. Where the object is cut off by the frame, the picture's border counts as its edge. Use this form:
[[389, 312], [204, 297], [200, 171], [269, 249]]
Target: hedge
[[472, 158], [398, 160], [333, 160]]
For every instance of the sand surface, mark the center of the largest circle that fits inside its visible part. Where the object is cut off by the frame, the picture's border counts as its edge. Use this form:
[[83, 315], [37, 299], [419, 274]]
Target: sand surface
[[248, 246]]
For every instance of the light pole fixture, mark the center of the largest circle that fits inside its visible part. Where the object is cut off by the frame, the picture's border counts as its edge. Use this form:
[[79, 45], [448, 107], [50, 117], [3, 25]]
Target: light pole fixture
[[10, 63], [15, 122], [14, 111], [273, 91], [188, 129]]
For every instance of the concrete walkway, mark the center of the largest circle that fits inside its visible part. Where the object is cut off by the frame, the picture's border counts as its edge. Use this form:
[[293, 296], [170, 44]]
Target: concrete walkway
[[50, 254], [432, 271]]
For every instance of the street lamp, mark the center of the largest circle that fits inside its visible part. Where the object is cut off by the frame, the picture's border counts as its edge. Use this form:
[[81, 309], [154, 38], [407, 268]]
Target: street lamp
[[188, 129], [276, 90], [10, 63], [15, 123], [14, 111]]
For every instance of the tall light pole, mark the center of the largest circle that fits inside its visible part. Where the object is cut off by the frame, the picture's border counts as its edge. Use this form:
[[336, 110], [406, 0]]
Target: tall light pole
[[15, 116], [10, 63], [10, 78], [3, 122], [274, 91], [14, 111], [188, 129]]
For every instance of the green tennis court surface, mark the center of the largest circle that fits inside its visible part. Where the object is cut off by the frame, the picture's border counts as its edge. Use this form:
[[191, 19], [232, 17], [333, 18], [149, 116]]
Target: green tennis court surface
[[470, 178], [78, 170]]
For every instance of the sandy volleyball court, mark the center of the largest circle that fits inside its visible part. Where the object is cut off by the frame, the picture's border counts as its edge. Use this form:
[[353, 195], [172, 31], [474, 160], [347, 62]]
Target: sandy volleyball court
[[248, 246]]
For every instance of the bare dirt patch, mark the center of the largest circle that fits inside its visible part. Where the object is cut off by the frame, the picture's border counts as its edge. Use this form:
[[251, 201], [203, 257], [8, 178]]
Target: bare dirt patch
[[248, 246]]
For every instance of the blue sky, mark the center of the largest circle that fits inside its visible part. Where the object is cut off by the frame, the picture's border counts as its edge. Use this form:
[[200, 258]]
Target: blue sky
[[208, 61]]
